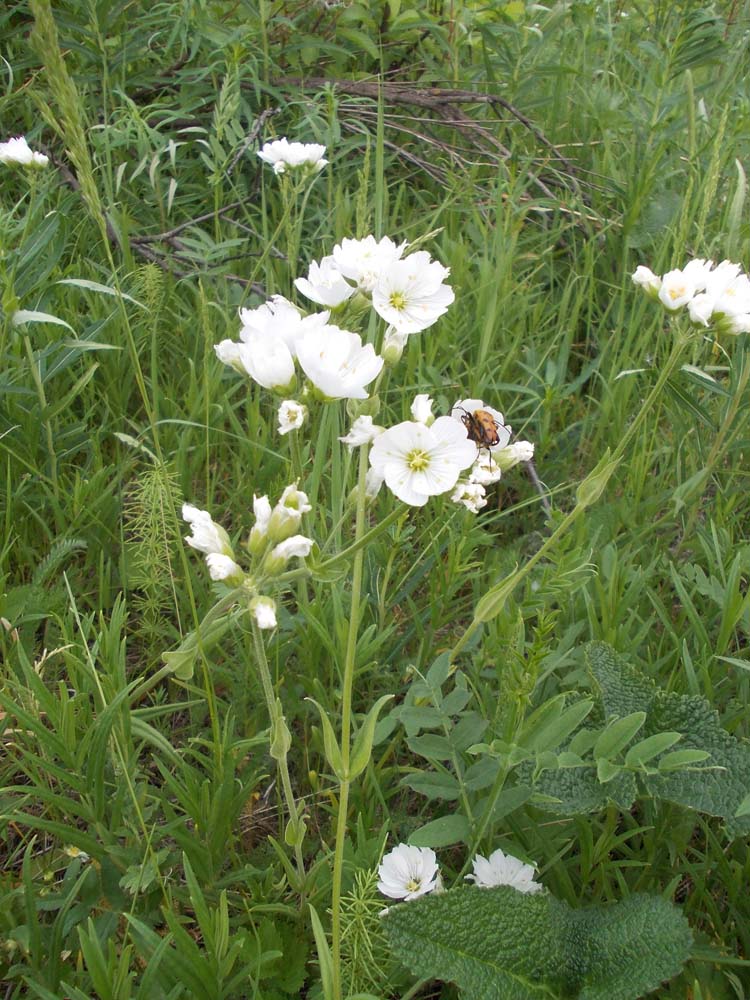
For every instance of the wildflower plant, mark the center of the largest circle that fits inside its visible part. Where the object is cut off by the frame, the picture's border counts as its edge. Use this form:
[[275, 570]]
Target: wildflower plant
[[306, 363]]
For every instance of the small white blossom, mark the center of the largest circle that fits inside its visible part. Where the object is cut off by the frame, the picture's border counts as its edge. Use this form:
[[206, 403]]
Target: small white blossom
[[292, 416], [259, 531], [207, 536], [221, 567], [263, 610], [421, 409], [325, 284], [17, 153], [337, 363], [393, 345], [485, 470], [285, 156], [287, 514], [373, 481], [418, 462], [700, 308], [229, 352], [363, 431], [265, 357], [471, 495], [297, 547], [645, 278], [364, 261], [408, 872], [410, 294], [512, 454], [504, 869]]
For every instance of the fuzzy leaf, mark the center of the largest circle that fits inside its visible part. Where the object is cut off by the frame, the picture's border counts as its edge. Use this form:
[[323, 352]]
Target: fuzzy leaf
[[500, 944], [720, 786]]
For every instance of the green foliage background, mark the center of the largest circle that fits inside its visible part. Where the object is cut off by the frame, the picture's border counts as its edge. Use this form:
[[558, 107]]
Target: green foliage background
[[615, 135]]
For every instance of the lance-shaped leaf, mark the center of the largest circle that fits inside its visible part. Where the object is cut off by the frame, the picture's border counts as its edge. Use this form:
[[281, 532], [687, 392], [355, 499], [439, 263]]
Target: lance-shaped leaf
[[362, 749], [500, 944]]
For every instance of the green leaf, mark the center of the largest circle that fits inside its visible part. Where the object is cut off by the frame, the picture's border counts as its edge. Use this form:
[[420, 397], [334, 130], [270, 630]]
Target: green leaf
[[645, 750], [718, 789], [682, 758], [501, 944], [325, 958], [22, 316], [442, 832], [330, 743], [434, 786], [617, 735], [362, 749]]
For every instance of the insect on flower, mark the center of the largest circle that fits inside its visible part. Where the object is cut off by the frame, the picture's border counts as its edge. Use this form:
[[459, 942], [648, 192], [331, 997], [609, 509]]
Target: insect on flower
[[481, 428]]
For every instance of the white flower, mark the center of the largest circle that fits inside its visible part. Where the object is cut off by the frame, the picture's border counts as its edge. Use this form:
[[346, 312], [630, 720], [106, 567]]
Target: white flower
[[292, 416], [410, 294], [259, 531], [325, 283], [373, 481], [471, 495], [230, 353], [363, 431], [223, 567], [485, 470], [698, 271], [393, 345], [408, 872], [287, 514], [645, 278], [265, 357], [337, 363], [263, 610], [207, 537], [284, 155], [295, 547], [365, 260], [16, 152], [465, 412], [700, 308], [281, 319], [504, 869], [418, 462], [421, 409], [512, 454], [677, 289]]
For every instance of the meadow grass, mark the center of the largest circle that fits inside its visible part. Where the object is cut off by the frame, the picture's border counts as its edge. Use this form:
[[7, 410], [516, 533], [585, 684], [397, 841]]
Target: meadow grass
[[142, 818]]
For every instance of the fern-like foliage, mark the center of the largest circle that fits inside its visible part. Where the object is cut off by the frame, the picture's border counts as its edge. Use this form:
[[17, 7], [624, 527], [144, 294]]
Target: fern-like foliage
[[150, 531], [500, 944], [365, 953]]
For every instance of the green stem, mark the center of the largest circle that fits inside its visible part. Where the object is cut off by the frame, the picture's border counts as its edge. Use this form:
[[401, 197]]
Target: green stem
[[278, 727], [346, 723]]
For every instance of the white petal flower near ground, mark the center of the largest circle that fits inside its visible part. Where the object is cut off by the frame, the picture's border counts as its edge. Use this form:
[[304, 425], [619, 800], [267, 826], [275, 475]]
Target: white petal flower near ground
[[504, 869], [408, 872]]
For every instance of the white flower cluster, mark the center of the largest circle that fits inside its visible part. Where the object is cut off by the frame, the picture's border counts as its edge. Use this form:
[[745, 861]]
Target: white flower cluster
[[17, 153], [425, 457], [275, 335], [409, 872], [714, 294], [293, 157], [407, 292], [272, 543]]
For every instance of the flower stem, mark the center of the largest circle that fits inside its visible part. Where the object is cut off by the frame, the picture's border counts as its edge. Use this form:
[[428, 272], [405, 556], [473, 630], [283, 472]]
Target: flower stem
[[280, 740], [346, 723]]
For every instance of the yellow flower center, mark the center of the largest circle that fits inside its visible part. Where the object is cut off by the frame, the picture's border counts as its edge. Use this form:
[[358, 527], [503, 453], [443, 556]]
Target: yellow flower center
[[398, 300], [413, 884], [418, 460], [676, 292]]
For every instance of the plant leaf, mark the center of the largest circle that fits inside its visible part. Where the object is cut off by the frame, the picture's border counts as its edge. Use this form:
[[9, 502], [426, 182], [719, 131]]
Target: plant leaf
[[501, 944]]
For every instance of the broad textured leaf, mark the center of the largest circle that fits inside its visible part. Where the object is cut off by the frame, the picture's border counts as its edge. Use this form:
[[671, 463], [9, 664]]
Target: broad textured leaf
[[578, 790], [500, 944], [718, 787]]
